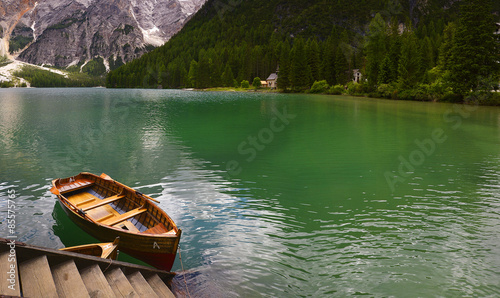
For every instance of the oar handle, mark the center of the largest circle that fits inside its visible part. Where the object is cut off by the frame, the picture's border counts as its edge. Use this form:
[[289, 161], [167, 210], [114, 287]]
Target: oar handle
[[156, 201], [146, 197]]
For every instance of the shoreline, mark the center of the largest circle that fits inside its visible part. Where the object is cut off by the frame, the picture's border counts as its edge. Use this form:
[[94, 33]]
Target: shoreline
[[494, 103]]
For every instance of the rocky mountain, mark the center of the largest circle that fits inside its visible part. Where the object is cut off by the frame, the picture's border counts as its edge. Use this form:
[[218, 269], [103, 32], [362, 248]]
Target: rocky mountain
[[10, 13], [73, 32]]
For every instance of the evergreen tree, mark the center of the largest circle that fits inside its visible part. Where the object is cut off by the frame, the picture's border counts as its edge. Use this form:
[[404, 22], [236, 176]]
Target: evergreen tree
[[227, 77], [446, 46], [341, 67], [394, 48], [215, 69], [203, 75], [475, 52], [408, 69], [192, 74], [328, 68], [384, 76], [164, 76], [257, 61], [245, 62], [394, 56], [375, 46], [426, 58], [300, 71], [284, 63], [314, 63]]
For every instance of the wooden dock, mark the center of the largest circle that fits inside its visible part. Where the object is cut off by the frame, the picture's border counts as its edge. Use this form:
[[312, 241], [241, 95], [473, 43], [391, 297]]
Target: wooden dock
[[32, 271]]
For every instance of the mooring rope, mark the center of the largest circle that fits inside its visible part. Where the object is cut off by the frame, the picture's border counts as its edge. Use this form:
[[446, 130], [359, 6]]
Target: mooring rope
[[183, 272], [110, 262]]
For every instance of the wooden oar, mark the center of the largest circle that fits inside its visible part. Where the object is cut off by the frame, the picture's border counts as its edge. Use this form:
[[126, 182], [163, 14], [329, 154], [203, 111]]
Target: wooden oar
[[146, 197], [79, 211], [139, 193]]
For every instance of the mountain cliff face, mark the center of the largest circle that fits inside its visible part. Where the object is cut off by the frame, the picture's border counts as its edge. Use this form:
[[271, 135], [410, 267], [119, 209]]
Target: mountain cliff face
[[72, 32], [10, 13]]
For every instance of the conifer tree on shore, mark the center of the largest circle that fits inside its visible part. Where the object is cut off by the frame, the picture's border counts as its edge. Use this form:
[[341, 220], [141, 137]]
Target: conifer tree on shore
[[475, 51]]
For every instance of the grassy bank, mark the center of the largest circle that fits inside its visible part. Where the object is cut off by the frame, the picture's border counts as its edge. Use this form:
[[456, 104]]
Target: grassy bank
[[232, 89]]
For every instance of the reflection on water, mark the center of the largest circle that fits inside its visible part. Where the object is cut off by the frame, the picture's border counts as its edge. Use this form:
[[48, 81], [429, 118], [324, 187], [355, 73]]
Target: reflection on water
[[311, 215]]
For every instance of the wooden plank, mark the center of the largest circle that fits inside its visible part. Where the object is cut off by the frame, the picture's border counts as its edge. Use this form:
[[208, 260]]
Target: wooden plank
[[85, 202], [68, 281], [124, 216], [79, 184], [81, 198], [120, 284], [129, 226], [102, 213], [36, 278], [159, 286], [141, 286], [96, 283], [9, 286], [158, 229], [31, 251], [103, 202]]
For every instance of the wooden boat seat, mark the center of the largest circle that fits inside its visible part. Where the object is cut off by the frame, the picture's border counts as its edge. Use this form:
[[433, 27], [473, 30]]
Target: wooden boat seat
[[157, 229], [75, 185], [122, 217], [160, 229], [127, 225], [102, 202]]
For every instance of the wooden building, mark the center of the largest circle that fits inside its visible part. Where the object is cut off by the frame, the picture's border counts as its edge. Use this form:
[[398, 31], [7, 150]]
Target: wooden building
[[272, 81]]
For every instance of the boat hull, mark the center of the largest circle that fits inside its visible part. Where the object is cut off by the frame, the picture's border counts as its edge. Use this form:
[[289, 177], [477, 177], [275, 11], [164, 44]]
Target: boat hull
[[158, 252], [106, 250], [157, 245]]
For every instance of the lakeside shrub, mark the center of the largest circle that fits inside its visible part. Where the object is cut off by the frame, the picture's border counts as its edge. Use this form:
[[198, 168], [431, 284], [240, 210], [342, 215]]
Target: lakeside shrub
[[386, 90], [319, 87], [351, 88], [421, 92], [336, 90], [245, 84], [357, 88], [494, 100], [256, 83]]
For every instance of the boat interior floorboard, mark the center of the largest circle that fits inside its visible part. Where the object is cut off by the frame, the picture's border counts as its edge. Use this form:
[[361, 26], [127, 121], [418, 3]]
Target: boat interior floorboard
[[82, 198], [103, 213]]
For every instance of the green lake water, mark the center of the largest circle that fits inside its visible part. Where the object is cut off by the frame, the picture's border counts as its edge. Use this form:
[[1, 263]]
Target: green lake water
[[277, 195]]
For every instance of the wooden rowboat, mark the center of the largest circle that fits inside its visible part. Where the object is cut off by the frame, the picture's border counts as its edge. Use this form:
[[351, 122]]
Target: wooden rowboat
[[107, 250], [107, 209]]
